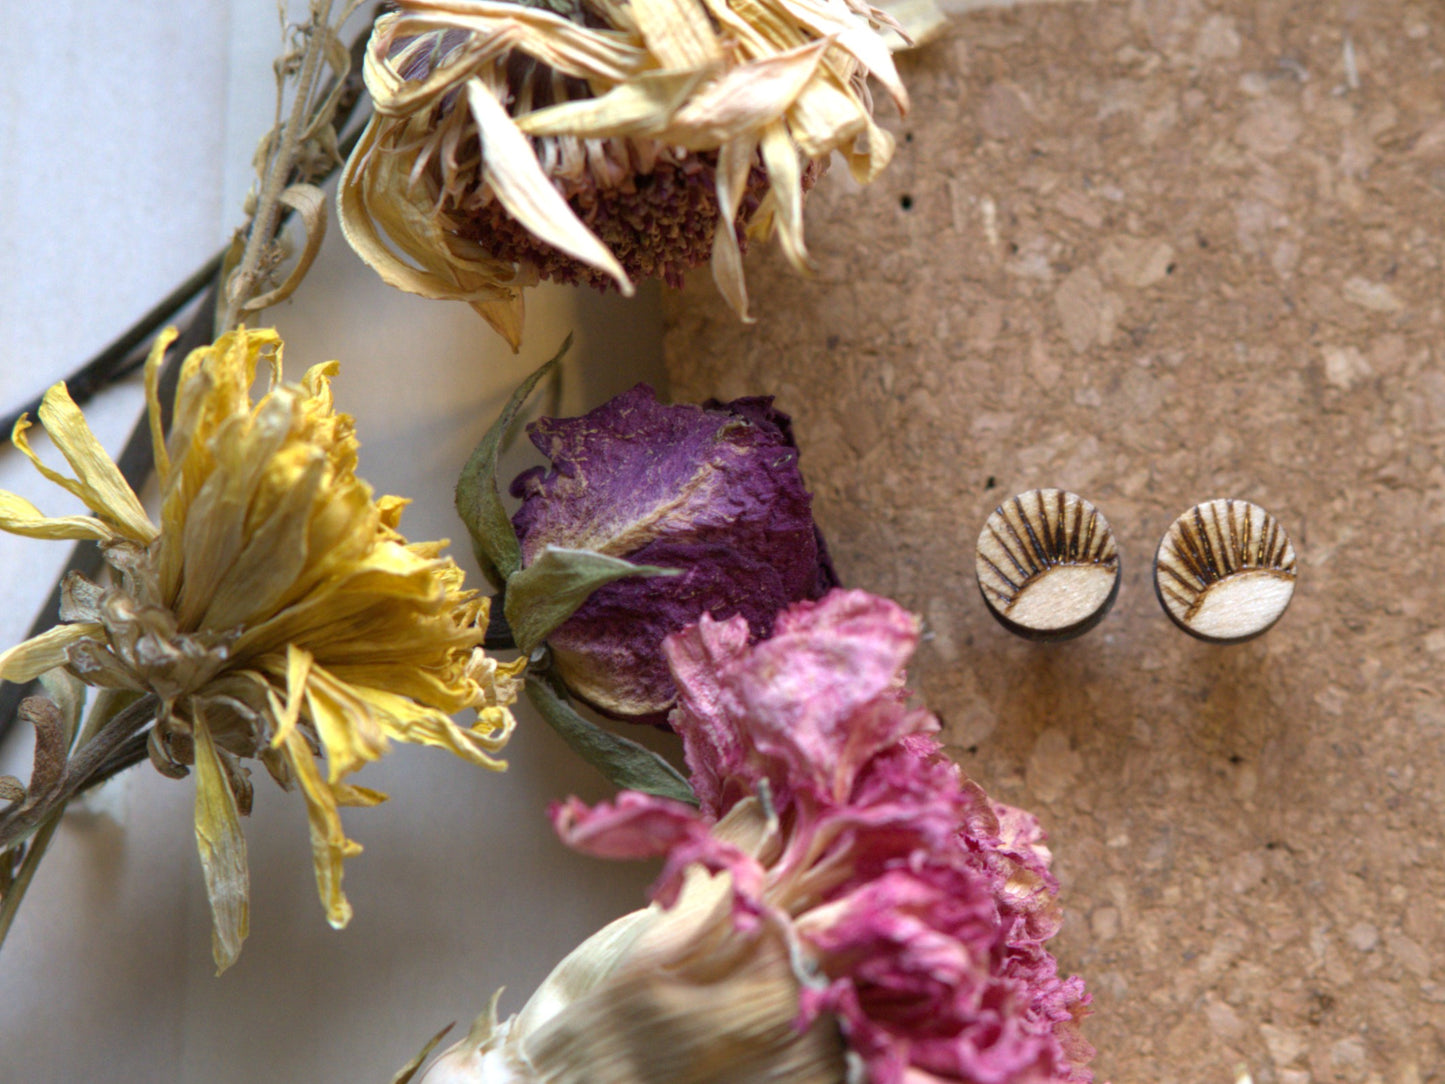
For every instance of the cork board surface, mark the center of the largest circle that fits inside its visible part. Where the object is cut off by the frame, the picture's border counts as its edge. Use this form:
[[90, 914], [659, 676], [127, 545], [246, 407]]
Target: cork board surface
[[1158, 252]]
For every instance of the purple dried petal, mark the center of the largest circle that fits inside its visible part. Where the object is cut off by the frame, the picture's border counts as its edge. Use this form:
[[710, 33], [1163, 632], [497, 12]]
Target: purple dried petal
[[714, 492]]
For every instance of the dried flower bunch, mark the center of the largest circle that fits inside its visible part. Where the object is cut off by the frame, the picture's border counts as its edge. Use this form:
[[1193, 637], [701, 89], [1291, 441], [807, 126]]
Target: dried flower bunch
[[712, 491], [603, 141], [275, 613], [845, 905], [837, 902]]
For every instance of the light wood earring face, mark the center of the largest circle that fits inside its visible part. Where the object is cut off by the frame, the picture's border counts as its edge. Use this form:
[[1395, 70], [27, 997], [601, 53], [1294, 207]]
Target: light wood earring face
[[1225, 571], [1047, 565]]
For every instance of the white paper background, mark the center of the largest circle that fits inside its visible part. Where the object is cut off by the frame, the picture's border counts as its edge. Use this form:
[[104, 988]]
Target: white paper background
[[126, 132]]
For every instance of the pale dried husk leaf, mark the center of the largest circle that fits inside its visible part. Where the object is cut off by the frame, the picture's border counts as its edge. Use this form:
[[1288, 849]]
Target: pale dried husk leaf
[[675, 995]]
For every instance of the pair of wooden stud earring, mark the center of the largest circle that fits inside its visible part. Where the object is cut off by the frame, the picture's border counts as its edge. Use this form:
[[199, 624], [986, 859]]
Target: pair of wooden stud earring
[[1048, 568]]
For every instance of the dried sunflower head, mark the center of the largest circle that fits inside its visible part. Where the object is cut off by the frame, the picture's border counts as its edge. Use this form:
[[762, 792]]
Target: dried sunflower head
[[603, 141], [276, 612]]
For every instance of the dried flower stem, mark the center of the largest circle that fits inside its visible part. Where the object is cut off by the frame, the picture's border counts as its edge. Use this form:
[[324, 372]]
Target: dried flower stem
[[128, 352], [15, 892], [110, 741], [90, 765], [246, 281]]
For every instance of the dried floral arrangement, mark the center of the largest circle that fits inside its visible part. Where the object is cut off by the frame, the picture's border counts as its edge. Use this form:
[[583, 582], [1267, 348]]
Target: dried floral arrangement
[[837, 901]]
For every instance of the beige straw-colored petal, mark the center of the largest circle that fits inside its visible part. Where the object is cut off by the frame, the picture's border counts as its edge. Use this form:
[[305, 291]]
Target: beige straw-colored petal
[[642, 106], [785, 176], [678, 33], [761, 29], [853, 34], [735, 161], [368, 205], [745, 99], [493, 30], [505, 315], [361, 231], [826, 117], [514, 175], [869, 160], [919, 22]]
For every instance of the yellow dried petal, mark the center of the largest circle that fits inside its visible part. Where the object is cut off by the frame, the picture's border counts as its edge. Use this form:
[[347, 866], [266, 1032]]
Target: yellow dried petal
[[298, 668], [19, 516], [98, 480], [329, 845], [223, 850], [154, 360], [351, 735], [403, 720], [28, 660], [278, 591], [357, 797]]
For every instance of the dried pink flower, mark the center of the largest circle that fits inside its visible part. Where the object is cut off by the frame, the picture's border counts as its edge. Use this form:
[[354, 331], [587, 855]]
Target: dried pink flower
[[917, 909]]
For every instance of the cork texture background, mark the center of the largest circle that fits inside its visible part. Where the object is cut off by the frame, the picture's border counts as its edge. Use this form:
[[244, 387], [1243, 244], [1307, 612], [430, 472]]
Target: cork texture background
[[1158, 252]]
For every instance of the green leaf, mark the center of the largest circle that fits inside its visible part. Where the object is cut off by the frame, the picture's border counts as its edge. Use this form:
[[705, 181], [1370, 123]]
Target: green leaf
[[549, 590], [624, 762], [479, 502]]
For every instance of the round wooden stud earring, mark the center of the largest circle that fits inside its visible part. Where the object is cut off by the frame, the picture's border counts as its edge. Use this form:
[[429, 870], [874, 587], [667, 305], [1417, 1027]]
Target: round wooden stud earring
[[1047, 565], [1225, 571]]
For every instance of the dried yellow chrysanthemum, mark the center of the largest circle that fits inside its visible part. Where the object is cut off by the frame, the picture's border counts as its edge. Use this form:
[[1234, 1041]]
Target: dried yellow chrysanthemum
[[276, 611], [603, 140]]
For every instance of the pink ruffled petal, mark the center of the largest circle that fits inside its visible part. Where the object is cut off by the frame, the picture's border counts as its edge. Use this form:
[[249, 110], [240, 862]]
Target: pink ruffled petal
[[823, 695], [924, 906], [715, 747], [644, 826], [634, 826], [805, 709]]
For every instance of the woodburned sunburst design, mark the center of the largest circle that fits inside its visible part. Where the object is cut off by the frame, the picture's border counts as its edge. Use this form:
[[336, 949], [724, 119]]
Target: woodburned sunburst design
[[1225, 571], [1047, 564]]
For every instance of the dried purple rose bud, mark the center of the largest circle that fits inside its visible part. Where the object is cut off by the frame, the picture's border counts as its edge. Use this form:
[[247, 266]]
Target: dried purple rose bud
[[712, 491]]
